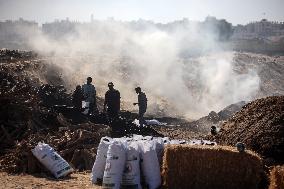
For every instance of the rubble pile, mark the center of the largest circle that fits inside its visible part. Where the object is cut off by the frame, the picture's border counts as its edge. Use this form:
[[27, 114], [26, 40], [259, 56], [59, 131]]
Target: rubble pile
[[260, 126], [7, 55]]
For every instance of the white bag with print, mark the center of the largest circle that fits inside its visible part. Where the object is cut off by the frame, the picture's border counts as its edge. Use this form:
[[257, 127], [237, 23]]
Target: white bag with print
[[52, 160], [131, 173], [115, 164]]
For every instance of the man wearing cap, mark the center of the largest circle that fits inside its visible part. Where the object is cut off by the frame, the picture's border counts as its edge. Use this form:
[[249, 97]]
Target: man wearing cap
[[112, 101], [89, 92], [142, 104]]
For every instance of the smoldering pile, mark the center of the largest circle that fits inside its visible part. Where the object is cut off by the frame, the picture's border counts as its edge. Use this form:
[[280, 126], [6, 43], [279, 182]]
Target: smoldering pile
[[27, 117], [216, 119], [33, 112]]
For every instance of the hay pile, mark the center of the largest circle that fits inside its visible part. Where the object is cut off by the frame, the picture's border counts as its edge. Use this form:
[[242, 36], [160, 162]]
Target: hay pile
[[277, 178], [260, 125], [188, 166]]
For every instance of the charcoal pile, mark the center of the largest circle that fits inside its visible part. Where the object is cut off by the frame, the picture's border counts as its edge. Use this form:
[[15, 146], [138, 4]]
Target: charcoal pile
[[76, 144], [29, 115], [35, 109], [260, 126], [18, 99], [124, 126]]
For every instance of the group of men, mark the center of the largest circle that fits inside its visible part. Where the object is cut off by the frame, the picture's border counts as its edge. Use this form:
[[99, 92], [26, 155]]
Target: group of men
[[87, 93]]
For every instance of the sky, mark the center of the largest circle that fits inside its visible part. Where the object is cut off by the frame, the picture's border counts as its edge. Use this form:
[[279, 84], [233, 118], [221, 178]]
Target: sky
[[234, 11]]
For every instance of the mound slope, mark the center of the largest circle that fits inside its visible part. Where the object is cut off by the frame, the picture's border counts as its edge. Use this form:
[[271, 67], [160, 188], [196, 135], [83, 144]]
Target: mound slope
[[260, 125]]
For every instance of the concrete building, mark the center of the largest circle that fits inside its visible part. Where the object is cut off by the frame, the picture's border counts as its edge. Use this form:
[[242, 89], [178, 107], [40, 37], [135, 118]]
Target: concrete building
[[261, 29], [58, 29]]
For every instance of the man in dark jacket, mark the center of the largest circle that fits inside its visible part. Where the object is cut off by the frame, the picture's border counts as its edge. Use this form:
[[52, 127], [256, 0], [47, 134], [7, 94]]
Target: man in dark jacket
[[77, 98], [142, 103], [112, 101]]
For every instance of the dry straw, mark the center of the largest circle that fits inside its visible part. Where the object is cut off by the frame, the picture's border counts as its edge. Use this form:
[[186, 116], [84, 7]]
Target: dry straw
[[277, 178], [200, 167]]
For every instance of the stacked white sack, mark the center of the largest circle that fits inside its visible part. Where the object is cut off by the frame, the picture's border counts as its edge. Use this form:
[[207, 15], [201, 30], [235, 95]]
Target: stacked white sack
[[150, 164], [52, 160], [131, 173], [115, 164], [149, 148], [100, 162], [159, 147]]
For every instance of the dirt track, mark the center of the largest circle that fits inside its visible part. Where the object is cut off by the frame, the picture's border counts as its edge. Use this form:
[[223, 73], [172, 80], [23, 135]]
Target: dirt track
[[76, 180]]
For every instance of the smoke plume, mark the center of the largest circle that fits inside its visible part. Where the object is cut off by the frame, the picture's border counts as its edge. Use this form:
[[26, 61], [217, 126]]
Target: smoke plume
[[181, 67]]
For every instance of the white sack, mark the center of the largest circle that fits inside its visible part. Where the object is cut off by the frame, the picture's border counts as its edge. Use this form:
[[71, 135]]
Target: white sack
[[154, 122], [131, 173], [136, 122], [99, 165], [137, 137], [159, 147], [150, 165], [85, 105], [115, 163], [52, 160]]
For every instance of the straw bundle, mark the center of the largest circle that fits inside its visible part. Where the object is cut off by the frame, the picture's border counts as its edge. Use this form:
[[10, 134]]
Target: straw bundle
[[188, 166], [277, 178]]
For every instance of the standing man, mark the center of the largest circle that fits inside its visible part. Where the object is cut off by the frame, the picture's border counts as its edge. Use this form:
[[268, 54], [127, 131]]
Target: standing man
[[142, 104], [77, 98], [112, 101], [89, 92]]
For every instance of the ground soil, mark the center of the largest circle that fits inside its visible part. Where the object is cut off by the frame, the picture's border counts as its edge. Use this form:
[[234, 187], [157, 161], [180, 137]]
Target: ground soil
[[25, 181]]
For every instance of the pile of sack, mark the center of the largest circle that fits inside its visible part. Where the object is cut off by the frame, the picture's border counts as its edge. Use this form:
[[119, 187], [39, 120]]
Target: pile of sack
[[131, 162]]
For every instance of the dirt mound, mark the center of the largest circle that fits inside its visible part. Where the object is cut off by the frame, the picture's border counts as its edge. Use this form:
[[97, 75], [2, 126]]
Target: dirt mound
[[260, 126], [270, 70], [204, 124]]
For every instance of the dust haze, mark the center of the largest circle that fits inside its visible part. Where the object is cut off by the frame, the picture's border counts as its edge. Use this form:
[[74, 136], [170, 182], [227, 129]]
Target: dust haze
[[184, 70]]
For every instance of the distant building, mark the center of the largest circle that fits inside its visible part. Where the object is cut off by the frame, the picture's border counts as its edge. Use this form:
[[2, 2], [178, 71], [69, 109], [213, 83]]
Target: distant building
[[261, 29], [58, 29], [14, 34]]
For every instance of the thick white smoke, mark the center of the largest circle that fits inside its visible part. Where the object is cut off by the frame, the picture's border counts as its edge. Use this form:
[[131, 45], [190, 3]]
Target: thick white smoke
[[182, 69]]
